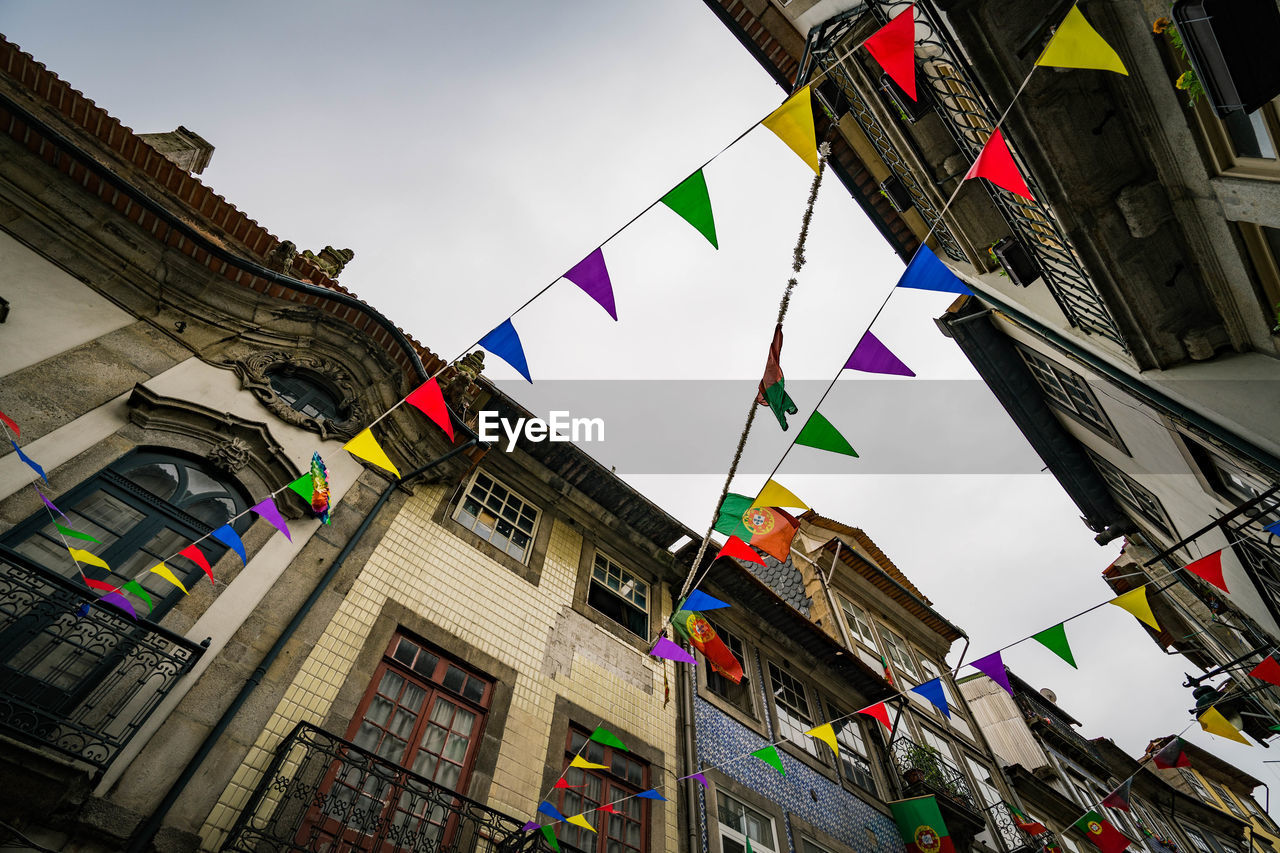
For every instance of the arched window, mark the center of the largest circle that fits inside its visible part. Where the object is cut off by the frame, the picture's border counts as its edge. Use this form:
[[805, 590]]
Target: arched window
[[306, 394], [144, 508]]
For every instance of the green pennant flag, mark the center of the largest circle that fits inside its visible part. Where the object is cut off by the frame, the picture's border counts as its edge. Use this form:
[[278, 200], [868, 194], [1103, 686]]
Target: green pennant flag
[[137, 589], [608, 738], [692, 202], [820, 433], [550, 834], [1055, 640], [302, 486], [769, 755], [74, 534]]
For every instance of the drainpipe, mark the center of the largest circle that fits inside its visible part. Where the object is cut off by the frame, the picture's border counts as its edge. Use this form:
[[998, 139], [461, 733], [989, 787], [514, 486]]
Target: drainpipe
[[147, 831], [684, 695]]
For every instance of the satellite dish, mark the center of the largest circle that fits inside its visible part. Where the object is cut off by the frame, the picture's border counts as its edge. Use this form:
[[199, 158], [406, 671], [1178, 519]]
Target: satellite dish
[[1049, 694]]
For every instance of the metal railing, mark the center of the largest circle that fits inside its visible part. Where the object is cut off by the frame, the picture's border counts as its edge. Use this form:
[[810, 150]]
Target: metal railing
[[1040, 711], [81, 685], [970, 116], [321, 792], [922, 768]]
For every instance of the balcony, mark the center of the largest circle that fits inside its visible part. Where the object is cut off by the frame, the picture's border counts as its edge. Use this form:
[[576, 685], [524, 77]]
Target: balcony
[[79, 685], [922, 771], [323, 793]]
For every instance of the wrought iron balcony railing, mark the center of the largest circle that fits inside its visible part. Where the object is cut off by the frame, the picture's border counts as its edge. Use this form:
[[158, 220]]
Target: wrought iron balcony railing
[[921, 766], [1037, 711], [78, 685], [321, 792]]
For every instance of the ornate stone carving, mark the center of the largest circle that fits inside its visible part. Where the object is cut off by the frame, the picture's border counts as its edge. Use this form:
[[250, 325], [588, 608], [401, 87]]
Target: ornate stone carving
[[330, 260], [458, 384], [255, 372], [229, 455], [281, 257]]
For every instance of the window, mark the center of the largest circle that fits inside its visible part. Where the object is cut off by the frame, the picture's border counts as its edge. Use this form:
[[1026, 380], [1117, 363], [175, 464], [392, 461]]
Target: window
[[807, 846], [861, 631], [738, 695], [1229, 480], [1068, 392], [621, 831], [1135, 496], [896, 648], [620, 595], [855, 755], [793, 709], [738, 822], [957, 719], [1197, 840], [499, 516], [305, 393], [1228, 800], [1193, 781], [1254, 809]]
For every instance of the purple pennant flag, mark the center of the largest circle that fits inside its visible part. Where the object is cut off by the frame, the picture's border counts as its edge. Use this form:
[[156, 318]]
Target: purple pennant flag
[[504, 342], [30, 462], [593, 277], [702, 780], [118, 600], [871, 356], [268, 510], [533, 824], [664, 648], [992, 666], [50, 505]]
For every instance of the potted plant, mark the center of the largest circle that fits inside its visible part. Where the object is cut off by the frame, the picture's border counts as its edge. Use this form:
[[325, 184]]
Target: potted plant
[[924, 763]]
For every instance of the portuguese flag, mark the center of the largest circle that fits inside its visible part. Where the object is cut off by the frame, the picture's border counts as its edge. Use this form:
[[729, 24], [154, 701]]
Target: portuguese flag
[[694, 628], [920, 824], [768, 528], [1101, 833], [773, 390], [1026, 824]]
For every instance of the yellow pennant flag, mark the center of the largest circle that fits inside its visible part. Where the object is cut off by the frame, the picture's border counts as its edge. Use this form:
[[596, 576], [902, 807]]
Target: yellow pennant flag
[[775, 495], [579, 820], [82, 556], [1214, 723], [579, 761], [793, 124], [365, 446], [1135, 601], [1077, 45], [163, 571], [827, 735]]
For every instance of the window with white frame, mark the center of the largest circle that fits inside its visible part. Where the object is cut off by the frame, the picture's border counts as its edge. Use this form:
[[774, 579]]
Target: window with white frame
[[1197, 787], [896, 648], [1227, 800], [738, 695], [1197, 840], [1135, 496], [620, 595], [1068, 392], [858, 621], [855, 753], [795, 714], [738, 822], [499, 516], [956, 719]]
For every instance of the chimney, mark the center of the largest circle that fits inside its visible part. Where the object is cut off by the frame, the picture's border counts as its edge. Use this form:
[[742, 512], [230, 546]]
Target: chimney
[[184, 148]]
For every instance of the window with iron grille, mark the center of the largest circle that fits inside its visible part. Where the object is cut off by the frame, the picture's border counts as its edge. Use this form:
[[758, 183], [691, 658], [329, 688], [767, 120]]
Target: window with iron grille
[[499, 516], [620, 830], [1068, 392], [620, 595], [791, 703], [1135, 496], [738, 695]]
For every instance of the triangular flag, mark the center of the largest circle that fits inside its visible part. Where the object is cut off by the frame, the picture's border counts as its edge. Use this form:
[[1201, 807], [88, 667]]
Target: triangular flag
[[774, 494], [880, 712], [163, 571], [592, 276], [926, 272], [31, 463], [550, 810], [701, 780], [1214, 723], [118, 600], [1055, 640], [428, 399], [82, 556], [1171, 755], [533, 824], [1075, 44], [1268, 671], [504, 342], [1119, 798], [549, 834], [651, 794], [893, 46], [9, 422], [50, 504], [608, 738], [365, 446], [740, 550], [1273, 528], [992, 666], [74, 534], [607, 807], [579, 820], [267, 509], [1209, 567], [303, 488], [564, 783], [195, 555], [664, 648], [793, 124], [820, 433], [935, 693], [579, 761], [102, 585], [995, 163], [871, 356], [1135, 602], [769, 755], [698, 601], [136, 588], [692, 202], [827, 735], [227, 536]]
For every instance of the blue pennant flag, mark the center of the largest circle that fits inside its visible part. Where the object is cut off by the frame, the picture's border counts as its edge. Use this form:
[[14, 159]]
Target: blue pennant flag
[[505, 344], [651, 794], [934, 692], [231, 539], [30, 462], [550, 810], [1273, 528], [699, 601], [926, 272]]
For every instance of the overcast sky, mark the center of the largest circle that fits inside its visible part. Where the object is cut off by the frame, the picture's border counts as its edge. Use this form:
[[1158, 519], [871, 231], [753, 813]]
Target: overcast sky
[[470, 153]]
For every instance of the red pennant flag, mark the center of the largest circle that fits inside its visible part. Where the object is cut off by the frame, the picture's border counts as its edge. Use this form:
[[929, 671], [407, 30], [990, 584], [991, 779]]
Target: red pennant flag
[[1209, 568], [105, 587], [563, 783], [995, 163], [1268, 671], [607, 807], [735, 547], [893, 46], [881, 713], [428, 399], [192, 553], [8, 421]]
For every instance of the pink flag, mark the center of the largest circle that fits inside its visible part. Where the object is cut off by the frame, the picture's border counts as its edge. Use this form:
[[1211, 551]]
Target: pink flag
[[992, 666], [664, 648], [428, 400], [1210, 568], [871, 356], [893, 46], [593, 277], [995, 163], [192, 553], [268, 510]]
